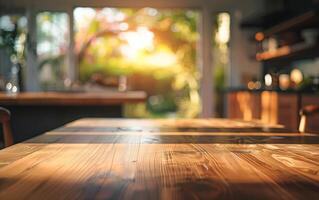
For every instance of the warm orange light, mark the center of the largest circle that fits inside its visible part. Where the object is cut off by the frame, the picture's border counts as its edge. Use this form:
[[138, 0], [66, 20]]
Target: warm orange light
[[282, 51], [161, 59], [244, 100], [284, 81], [296, 76], [254, 85], [259, 36], [251, 85]]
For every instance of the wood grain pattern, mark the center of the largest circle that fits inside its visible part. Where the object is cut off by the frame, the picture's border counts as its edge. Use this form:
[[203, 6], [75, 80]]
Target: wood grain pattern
[[161, 159], [80, 98]]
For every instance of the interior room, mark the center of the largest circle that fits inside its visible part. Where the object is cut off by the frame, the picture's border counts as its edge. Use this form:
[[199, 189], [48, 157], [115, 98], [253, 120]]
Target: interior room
[[146, 99]]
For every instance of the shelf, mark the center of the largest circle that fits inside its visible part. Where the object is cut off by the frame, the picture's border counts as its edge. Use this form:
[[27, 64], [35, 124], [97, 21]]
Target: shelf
[[261, 20], [306, 20], [292, 53], [287, 25]]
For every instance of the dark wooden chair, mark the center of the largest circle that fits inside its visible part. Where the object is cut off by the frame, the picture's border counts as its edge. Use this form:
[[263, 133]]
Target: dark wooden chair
[[305, 113], [5, 121]]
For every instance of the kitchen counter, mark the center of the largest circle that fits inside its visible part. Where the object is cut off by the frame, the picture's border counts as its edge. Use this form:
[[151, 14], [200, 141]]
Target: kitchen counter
[[33, 113], [289, 91], [72, 98], [272, 106]]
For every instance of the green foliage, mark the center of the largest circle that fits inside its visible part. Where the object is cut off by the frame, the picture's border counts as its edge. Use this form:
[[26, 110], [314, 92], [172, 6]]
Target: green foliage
[[13, 38], [172, 57], [52, 47], [8, 39]]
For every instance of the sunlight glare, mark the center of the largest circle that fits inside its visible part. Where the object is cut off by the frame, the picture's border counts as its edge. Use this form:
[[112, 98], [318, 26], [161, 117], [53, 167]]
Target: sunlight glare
[[223, 32], [162, 59], [83, 16], [137, 40]]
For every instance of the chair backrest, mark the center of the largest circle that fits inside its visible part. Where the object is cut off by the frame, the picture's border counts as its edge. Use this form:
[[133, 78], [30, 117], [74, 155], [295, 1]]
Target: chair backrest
[[305, 112], [5, 120]]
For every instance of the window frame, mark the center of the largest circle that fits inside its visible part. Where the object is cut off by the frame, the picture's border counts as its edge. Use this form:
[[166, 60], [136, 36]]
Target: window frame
[[205, 30]]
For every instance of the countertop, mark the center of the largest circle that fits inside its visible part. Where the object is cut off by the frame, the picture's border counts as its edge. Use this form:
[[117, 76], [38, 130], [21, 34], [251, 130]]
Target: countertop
[[162, 159], [289, 91], [72, 98]]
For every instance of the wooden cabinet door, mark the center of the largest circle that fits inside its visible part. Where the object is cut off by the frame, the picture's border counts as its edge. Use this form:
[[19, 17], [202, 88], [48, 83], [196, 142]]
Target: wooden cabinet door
[[270, 107], [280, 108], [233, 111], [312, 121], [288, 111], [244, 105]]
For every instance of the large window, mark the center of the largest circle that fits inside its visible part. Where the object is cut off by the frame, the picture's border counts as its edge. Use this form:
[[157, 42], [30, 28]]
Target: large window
[[52, 49], [154, 49], [13, 34]]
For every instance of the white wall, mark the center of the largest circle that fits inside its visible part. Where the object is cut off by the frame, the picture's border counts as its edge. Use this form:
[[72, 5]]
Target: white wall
[[242, 49]]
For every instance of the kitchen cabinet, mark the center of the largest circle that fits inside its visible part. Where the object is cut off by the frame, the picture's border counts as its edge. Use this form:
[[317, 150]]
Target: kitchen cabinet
[[269, 106], [312, 121]]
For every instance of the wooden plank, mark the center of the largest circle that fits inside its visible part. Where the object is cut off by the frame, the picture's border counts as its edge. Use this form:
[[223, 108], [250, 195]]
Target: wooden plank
[[72, 98], [88, 160], [17, 152], [210, 122]]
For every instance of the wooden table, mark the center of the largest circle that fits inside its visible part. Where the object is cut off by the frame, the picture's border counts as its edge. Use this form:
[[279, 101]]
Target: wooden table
[[162, 159], [54, 109]]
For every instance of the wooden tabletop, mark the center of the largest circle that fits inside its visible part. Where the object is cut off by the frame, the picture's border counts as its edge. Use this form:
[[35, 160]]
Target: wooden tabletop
[[162, 159], [72, 98]]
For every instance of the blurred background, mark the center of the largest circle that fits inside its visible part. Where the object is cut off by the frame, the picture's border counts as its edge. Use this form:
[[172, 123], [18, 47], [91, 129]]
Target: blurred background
[[193, 59]]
